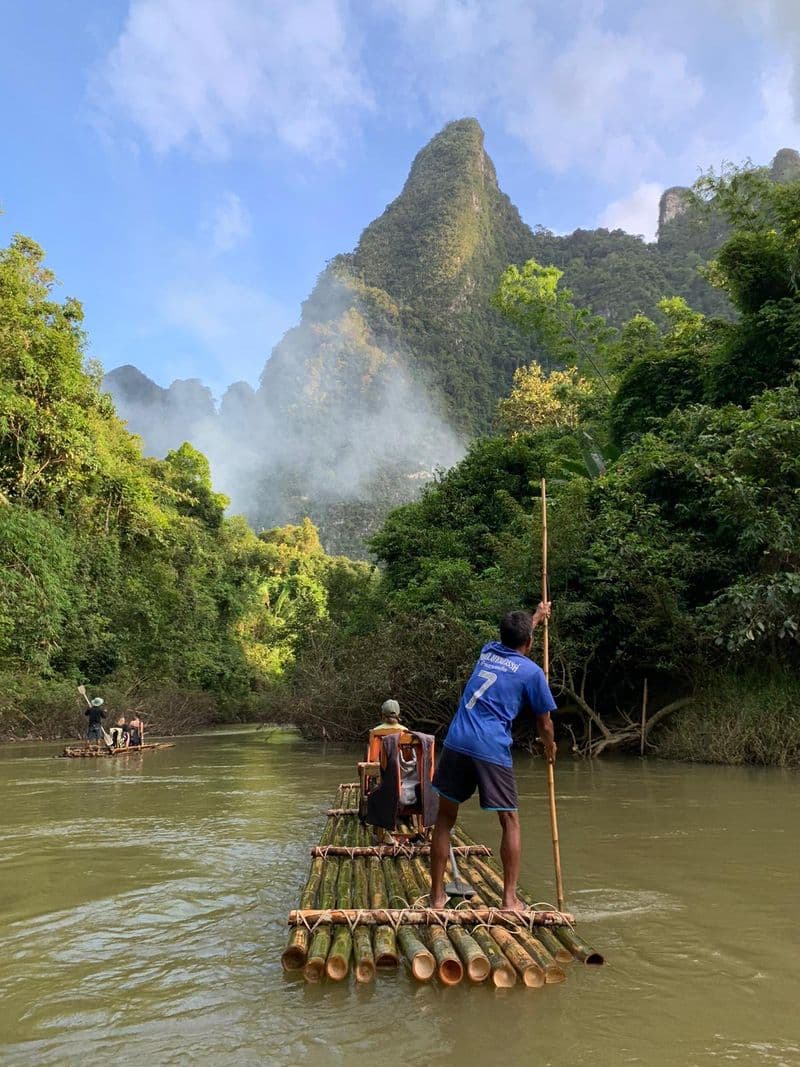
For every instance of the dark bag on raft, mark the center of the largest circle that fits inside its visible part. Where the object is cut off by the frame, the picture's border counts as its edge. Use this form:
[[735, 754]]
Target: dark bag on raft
[[383, 803]]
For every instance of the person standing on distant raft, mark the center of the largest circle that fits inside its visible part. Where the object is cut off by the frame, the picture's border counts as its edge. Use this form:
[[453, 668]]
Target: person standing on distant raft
[[135, 731], [96, 713], [477, 748]]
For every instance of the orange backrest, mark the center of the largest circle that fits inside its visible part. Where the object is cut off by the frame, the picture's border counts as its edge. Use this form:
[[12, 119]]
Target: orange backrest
[[374, 745]]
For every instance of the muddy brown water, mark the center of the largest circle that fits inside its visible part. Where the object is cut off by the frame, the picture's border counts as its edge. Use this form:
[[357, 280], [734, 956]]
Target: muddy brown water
[[143, 903]]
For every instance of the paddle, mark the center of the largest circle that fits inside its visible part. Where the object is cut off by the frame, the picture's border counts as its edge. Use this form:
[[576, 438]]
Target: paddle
[[551, 776]]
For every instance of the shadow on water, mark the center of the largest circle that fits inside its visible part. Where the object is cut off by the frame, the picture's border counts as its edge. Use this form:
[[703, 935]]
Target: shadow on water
[[143, 906]]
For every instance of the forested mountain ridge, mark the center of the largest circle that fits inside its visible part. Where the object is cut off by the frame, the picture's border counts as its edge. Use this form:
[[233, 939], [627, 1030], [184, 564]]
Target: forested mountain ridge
[[402, 327]]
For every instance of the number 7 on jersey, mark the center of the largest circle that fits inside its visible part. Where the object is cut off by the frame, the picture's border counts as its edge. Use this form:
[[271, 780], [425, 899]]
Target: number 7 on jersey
[[476, 696]]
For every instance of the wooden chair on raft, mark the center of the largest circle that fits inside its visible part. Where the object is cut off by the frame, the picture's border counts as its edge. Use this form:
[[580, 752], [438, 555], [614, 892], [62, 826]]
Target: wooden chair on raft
[[370, 771]]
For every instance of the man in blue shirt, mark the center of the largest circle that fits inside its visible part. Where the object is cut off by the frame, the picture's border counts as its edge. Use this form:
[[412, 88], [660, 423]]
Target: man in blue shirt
[[477, 748]]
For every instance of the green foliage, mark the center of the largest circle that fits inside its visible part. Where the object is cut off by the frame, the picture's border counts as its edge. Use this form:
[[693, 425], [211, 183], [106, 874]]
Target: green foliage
[[115, 568], [747, 717], [530, 297]]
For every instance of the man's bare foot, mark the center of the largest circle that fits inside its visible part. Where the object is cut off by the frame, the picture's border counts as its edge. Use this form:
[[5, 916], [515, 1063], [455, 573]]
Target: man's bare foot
[[437, 903], [515, 904]]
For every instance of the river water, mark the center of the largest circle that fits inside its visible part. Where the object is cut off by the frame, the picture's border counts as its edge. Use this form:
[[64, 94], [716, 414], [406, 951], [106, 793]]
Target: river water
[[143, 903]]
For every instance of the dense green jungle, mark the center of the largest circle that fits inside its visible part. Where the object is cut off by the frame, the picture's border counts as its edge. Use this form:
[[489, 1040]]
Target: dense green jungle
[[671, 446]]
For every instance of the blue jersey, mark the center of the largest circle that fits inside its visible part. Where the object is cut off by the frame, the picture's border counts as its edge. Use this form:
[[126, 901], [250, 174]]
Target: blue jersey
[[503, 684]]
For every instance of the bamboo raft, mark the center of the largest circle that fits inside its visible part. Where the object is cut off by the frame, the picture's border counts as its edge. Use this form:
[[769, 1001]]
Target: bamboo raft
[[90, 751], [363, 908]]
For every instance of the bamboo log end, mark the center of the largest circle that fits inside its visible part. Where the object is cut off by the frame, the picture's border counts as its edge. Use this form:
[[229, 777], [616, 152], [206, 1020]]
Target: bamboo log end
[[293, 958], [594, 959], [532, 977], [504, 977], [423, 966], [386, 959], [553, 975], [478, 969], [314, 969], [450, 971], [337, 967], [365, 970]]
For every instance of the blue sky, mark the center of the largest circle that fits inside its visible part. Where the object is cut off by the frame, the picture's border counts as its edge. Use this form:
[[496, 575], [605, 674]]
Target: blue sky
[[190, 165]]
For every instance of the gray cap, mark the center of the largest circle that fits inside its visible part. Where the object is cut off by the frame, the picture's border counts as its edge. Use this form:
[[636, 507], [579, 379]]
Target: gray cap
[[390, 709], [97, 702]]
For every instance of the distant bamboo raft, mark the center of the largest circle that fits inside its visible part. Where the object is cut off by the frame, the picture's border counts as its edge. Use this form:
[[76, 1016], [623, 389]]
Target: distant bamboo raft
[[364, 908], [92, 751]]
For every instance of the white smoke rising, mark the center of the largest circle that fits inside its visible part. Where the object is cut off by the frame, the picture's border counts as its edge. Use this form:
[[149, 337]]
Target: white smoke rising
[[339, 429]]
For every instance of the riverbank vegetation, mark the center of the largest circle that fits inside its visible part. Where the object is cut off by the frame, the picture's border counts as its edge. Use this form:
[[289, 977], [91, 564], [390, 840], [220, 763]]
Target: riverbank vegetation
[[120, 570], [672, 451]]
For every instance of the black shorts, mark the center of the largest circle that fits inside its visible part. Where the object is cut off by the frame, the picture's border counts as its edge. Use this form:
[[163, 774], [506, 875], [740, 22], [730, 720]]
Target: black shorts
[[457, 777]]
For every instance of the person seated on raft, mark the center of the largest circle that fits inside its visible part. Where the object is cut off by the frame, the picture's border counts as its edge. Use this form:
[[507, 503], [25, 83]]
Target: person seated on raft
[[96, 713], [390, 709], [136, 731], [119, 733], [409, 773]]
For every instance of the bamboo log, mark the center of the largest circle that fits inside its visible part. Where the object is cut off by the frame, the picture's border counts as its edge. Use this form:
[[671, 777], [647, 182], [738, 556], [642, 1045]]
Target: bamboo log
[[338, 962], [536, 950], [384, 940], [526, 967], [448, 965], [503, 974], [295, 954], [419, 959], [317, 953], [472, 955], [417, 956], [579, 948], [363, 958], [559, 952], [502, 917]]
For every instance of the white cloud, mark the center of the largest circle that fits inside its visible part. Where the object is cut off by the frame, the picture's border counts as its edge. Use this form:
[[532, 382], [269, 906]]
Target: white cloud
[[578, 94], [230, 224], [200, 73], [636, 213]]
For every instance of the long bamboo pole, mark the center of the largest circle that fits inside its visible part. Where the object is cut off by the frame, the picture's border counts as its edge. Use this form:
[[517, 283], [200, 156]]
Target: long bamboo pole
[[551, 777]]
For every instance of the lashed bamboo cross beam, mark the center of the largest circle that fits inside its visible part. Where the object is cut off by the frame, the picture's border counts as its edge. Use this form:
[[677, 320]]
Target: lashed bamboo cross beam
[[394, 851], [429, 917]]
